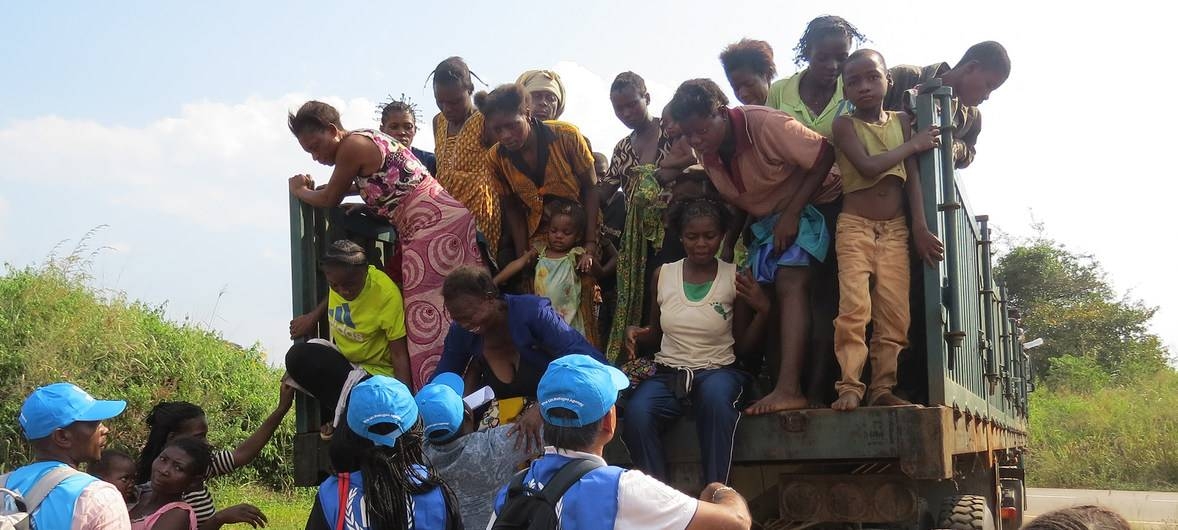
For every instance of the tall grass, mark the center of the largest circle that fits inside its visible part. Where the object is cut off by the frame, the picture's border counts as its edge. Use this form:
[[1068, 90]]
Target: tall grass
[[54, 326], [1120, 436]]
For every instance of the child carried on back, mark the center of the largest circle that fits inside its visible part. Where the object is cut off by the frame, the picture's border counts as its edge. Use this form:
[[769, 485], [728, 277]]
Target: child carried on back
[[876, 154]]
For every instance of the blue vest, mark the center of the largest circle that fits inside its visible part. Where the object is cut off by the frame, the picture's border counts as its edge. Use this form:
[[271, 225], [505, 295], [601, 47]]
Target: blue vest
[[57, 510], [428, 509], [590, 504]]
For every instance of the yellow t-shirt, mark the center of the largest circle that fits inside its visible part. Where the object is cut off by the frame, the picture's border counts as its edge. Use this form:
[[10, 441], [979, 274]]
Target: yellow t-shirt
[[877, 139], [362, 328]]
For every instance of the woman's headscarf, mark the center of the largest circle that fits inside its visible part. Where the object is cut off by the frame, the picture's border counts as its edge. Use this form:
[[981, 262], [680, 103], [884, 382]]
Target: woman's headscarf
[[535, 80]]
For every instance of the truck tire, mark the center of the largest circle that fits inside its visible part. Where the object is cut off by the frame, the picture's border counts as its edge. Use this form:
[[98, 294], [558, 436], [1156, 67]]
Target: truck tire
[[966, 512]]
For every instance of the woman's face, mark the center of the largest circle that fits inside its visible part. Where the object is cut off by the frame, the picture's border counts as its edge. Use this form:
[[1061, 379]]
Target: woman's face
[[544, 105], [750, 87], [476, 314], [826, 57], [701, 239], [197, 427], [346, 280], [707, 133], [400, 125], [510, 129], [172, 472], [454, 101], [321, 145]]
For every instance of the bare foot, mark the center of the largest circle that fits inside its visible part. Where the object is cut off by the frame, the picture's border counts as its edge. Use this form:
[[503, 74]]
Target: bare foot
[[846, 402], [777, 401], [888, 399]]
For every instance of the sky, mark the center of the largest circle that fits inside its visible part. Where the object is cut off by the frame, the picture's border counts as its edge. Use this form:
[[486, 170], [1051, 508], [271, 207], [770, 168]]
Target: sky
[[164, 123]]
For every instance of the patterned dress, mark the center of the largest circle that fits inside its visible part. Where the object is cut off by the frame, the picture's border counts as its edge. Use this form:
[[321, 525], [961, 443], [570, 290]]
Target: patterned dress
[[462, 171], [643, 232], [436, 235], [557, 280]]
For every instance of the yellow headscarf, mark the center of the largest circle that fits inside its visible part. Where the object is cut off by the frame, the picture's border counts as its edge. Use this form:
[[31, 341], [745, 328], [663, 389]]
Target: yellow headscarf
[[535, 80]]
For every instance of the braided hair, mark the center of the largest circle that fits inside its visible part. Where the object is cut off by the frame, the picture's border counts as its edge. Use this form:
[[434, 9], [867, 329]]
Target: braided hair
[[391, 105], [682, 212], [392, 475], [163, 420], [821, 28]]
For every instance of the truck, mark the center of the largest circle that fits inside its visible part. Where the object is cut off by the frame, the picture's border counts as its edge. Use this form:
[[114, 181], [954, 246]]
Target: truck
[[954, 459]]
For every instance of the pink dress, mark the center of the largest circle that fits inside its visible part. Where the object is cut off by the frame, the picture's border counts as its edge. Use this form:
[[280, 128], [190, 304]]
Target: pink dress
[[436, 235], [148, 522]]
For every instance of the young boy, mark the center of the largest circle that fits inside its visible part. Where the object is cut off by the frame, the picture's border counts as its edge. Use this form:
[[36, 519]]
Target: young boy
[[473, 463], [875, 151], [613, 216], [984, 67], [116, 468]]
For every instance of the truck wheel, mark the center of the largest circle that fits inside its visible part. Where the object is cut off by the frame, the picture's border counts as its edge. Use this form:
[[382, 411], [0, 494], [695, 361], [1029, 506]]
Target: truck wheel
[[1012, 495], [966, 512]]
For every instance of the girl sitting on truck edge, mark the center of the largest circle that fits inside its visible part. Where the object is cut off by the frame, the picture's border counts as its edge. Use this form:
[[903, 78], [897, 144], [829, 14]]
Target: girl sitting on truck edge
[[876, 153], [701, 330]]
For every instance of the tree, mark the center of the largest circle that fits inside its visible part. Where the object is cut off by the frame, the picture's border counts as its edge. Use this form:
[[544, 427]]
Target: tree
[[1065, 298]]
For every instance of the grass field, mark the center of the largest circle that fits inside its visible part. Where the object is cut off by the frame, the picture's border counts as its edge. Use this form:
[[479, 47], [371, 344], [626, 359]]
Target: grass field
[[285, 510]]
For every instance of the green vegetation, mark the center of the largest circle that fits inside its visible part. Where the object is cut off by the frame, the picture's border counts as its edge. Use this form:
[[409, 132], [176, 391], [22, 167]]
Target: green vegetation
[[1103, 415], [284, 509], [54, 327]]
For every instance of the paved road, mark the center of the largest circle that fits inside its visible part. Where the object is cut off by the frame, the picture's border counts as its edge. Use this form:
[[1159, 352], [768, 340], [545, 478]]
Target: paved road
[[1141, 507]]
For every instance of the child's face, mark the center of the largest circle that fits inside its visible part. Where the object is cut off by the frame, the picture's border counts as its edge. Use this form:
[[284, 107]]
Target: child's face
[[562, 233], [750, 88], [701, 239], [826, 56], [630, 107], [865, 81], [670, 128], [600, 165], [976, 84], [120, 473], [400, 125]]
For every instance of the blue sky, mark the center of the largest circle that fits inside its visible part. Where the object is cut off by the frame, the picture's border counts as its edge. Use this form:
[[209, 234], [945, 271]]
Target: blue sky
[[165, 121]]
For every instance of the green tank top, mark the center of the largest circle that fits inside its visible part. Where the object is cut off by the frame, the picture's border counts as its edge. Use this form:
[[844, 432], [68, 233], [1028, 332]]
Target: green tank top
[[877, 139]]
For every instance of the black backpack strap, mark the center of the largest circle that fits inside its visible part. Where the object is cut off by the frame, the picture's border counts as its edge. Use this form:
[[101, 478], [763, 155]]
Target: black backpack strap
[[516, 486], [564, 479]]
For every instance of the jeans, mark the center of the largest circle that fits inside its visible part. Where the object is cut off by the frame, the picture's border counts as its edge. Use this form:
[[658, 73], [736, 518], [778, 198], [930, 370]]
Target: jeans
[[714, 397], [873, 287]]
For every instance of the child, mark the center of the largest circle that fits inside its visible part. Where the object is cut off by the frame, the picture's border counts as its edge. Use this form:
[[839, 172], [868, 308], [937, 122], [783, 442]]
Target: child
[[875, 151], [613, 215], [556, 276], [474, 463], [117, 468], [984, 67]]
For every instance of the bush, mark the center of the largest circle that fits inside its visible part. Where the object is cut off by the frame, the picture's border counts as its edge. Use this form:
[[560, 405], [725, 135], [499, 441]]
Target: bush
[[55, 327], [1120, 435]]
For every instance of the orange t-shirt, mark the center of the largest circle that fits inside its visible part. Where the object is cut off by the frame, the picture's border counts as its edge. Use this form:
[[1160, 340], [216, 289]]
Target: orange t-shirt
[[772, 152]]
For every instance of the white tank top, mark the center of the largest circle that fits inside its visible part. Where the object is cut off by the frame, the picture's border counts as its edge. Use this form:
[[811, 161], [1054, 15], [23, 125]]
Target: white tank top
[[696, 335]]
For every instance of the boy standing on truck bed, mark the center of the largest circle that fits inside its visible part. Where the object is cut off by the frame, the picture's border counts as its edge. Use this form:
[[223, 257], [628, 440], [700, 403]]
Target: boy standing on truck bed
[[984, 67], [875, 150]]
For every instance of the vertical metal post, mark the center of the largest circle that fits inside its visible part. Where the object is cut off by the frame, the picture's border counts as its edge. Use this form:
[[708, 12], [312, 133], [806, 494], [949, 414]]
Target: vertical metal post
[[990, 347], [949, 207], [304, 295], [939, 355]]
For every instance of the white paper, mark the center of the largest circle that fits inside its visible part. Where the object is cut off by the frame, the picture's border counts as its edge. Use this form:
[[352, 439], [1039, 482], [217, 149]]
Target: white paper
[[479, 397]]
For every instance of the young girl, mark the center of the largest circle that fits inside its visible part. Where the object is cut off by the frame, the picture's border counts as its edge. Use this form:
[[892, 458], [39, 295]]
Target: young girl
[[875, 152], [178, 468], [398, 118], [556, 276], [700, 330]]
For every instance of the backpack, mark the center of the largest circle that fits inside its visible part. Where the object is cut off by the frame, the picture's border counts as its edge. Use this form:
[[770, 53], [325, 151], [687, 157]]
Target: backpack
[[528, 509], [16, 511]]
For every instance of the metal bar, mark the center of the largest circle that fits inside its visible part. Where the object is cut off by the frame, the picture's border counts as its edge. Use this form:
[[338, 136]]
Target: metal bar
[[303, 294], [931, 277], [949, 205], [987, 299]]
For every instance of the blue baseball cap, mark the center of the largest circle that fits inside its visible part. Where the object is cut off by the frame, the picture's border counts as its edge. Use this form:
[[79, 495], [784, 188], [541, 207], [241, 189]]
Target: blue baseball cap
[[381, 400], [440, 403], [582, 385], [56, 406]]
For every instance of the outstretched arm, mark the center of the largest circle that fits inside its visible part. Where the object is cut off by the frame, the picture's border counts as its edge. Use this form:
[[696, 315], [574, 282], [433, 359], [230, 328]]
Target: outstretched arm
[[248, 450], [516, 266]]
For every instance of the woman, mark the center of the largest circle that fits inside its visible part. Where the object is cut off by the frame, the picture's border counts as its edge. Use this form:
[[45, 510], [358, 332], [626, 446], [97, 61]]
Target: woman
[[748, 64], [774, 169], [701, 332], [505, 342], [814, 95], [547, 93], [180, 466], [380, 469], [398, 118], [366, 314], [172, 420], [538, 163], [435, 233], [461, 145]]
